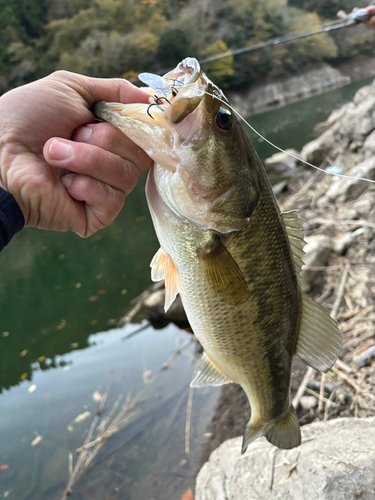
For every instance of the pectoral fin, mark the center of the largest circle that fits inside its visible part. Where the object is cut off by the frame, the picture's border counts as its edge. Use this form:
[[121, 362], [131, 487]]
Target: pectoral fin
[[162, 268], [208, 374], [157, 265], [319, 339], [223, 274]]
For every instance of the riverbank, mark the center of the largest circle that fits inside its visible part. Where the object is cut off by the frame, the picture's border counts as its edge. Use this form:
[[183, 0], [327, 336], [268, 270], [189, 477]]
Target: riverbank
[[321, 78], [340, 258]]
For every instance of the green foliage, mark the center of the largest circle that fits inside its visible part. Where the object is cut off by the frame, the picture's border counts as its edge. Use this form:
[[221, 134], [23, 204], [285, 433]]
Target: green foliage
[[221, 70], [116, 37], [174, 46]]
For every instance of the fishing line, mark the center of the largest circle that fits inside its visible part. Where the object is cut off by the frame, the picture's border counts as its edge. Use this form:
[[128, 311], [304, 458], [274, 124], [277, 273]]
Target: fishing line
[[282, 150]]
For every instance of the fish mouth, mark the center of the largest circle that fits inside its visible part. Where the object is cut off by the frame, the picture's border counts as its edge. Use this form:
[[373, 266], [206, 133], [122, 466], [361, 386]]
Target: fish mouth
[[159, 127]]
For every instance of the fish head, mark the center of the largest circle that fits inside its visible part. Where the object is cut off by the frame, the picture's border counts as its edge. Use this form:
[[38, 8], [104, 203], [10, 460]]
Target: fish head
[[205, 169]]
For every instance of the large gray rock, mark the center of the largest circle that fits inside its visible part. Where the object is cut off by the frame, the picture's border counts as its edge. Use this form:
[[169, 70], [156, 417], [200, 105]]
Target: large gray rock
[[282, 162], [336, 461], [343, 189], [317, 250]]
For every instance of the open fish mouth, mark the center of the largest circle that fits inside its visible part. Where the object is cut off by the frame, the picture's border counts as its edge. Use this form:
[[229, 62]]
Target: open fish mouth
[[157, 127]]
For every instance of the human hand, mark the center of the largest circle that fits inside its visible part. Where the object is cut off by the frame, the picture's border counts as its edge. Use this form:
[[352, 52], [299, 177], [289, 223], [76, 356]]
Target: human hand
[[371, 11], [65, 171]]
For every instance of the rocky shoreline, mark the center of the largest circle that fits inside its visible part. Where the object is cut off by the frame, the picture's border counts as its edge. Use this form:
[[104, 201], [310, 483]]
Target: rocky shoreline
[[340, 258], [279, 92]]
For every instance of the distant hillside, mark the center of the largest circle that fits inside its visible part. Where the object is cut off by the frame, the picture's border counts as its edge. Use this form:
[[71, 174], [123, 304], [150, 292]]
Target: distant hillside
[[109, 38]]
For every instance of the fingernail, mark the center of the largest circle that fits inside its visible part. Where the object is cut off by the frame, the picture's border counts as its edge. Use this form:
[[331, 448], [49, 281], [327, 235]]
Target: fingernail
[[83, 134], [59, 150], [66, 180]]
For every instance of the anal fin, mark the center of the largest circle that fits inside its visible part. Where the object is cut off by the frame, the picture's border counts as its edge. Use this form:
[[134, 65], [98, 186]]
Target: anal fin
[[319, 339], [208, 374]]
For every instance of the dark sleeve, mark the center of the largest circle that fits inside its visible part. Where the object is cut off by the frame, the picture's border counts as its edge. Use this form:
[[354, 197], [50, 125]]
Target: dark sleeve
[[11, 218]]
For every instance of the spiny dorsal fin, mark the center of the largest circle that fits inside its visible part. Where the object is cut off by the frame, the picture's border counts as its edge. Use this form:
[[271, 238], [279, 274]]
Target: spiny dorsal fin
[[319, 339], [223, 274], [162, 268], [208, 374], [293, 226]]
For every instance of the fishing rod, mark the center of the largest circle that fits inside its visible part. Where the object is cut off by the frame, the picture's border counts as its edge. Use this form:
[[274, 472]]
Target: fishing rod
[[357, 17]]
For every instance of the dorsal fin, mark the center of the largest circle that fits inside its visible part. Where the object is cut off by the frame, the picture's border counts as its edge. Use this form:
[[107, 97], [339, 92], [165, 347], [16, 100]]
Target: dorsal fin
[[293, 226], [163, 268], [319, 338], [208, 374]]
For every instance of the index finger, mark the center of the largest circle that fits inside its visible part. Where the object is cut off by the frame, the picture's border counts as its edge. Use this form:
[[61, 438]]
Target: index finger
[[103, 89]]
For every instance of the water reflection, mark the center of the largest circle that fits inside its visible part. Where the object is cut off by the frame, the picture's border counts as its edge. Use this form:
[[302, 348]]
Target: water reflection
[[57, 289]]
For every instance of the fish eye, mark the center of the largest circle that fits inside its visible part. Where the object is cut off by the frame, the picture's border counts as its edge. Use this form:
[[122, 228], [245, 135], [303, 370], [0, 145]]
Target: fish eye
[[224, 119]]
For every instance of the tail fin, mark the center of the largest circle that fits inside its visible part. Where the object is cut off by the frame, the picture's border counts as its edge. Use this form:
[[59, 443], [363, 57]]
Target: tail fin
[[284, 434]]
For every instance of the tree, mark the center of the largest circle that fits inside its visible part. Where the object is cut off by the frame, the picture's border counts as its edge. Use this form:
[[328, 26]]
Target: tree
[[174, 46]]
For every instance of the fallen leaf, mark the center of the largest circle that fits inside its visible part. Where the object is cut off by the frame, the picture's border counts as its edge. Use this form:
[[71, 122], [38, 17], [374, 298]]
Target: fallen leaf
[[96, 396], [5, 334], [93, 298], [23, 353], [61, 256], [4, 467], [93, 322], [23, 376], [82, 417], [36, 441], [70, 428], [41, 359], [61, 325], [74, 345], [78, 285], [32, 388], [101, 292], [188, 495]]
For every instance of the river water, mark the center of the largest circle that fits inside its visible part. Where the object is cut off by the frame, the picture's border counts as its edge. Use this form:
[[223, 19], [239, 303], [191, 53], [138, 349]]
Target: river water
[[60, 299]]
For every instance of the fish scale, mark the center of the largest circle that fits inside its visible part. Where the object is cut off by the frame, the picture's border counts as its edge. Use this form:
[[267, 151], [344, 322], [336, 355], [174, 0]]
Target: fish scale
[[225, 247]]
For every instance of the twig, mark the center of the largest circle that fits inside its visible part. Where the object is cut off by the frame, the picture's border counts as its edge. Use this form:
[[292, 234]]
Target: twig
[[322, 399], [352, 383], [188, 420], [274, 451], [302, 387], [138, 303], [340, 292], [335, 222], [83, 455], [107, 428], [70, 465]]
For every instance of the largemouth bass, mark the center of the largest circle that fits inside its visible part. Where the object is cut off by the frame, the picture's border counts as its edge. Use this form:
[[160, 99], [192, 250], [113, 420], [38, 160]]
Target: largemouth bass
[[226, 249]]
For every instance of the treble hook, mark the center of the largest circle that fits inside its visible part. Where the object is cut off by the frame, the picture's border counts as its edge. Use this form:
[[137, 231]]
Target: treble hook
[[156, 103]]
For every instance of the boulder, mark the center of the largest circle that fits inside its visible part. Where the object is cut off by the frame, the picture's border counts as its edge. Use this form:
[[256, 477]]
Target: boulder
[[342, 189], [336, 461], [282, 162], [317, 252]]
